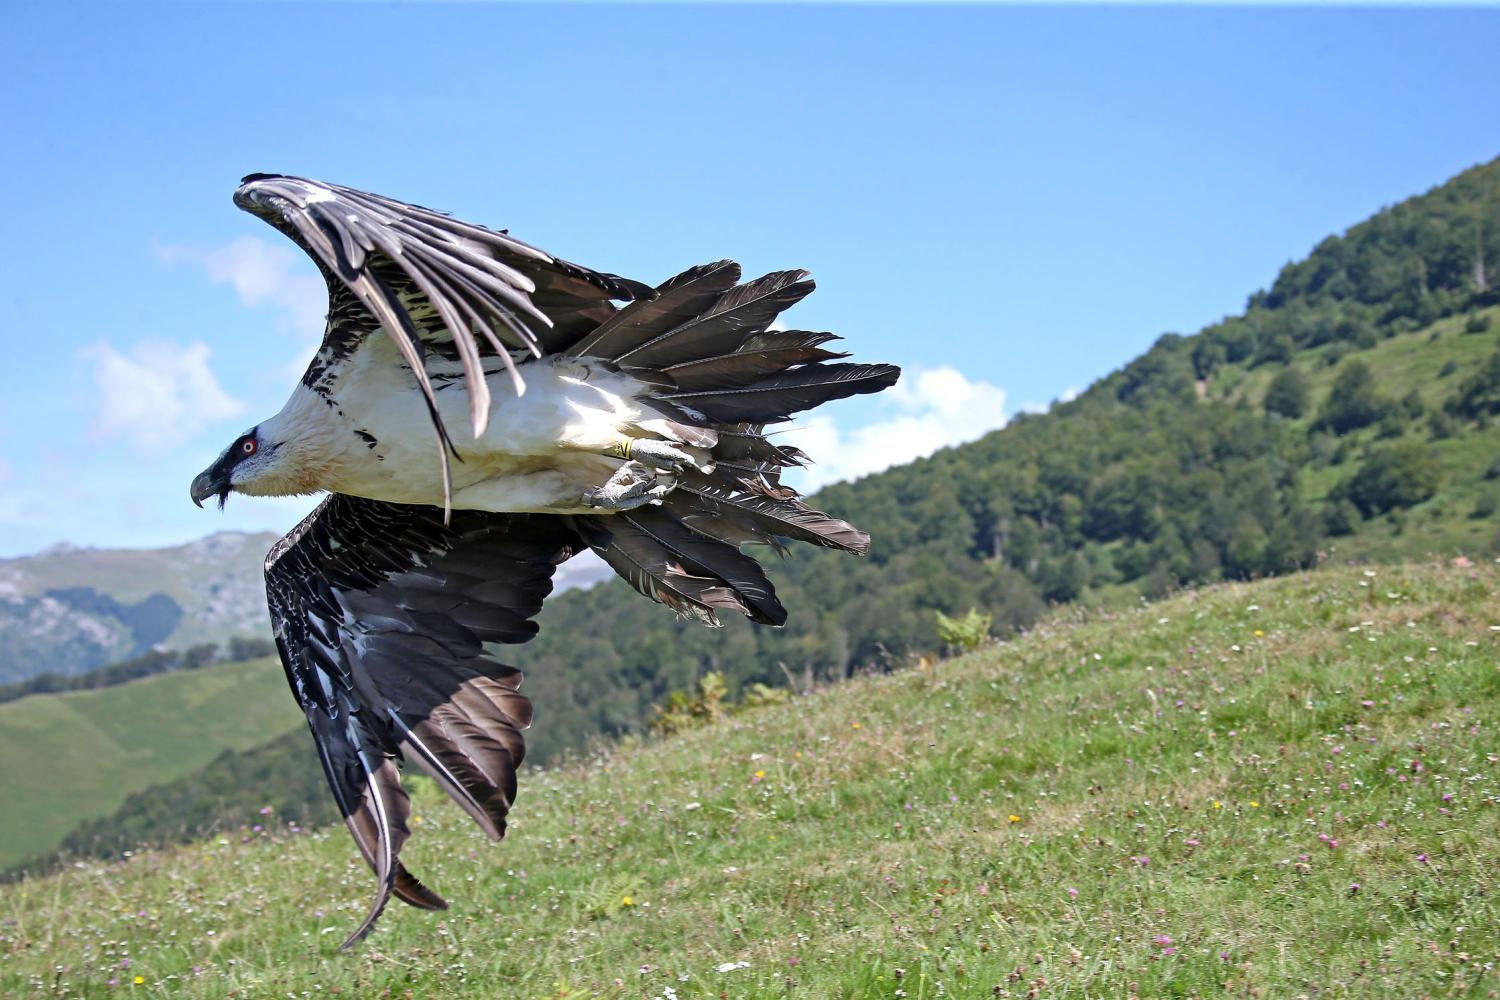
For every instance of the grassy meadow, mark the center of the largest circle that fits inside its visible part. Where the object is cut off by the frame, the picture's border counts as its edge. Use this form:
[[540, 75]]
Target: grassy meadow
[[1276, 789]]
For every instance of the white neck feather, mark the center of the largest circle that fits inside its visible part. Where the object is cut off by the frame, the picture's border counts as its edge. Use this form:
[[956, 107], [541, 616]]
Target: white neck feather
[[311, 442]]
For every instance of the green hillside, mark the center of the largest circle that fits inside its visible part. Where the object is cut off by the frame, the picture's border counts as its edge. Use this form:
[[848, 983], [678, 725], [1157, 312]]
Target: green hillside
[[1415, 374], [75, 756], [1270, 789], [282, 775], [1167, 473]]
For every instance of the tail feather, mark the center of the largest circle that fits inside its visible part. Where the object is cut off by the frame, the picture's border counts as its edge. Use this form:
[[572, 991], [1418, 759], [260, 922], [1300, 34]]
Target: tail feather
[[712, 558], [779, 396], [654, 572], [748, 441], [716, 376], [748, 365], [778, 518]]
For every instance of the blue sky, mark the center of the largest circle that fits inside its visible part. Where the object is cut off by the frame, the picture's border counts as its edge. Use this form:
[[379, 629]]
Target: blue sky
[[1007, 201]]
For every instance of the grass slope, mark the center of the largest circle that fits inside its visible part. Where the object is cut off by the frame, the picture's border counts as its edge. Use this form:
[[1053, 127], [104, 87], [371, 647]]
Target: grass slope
[[1271, 789], [70, 757]]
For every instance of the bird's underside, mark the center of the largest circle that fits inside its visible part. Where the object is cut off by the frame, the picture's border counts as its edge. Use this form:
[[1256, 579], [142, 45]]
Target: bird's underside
[[583, 437], [564, 423]]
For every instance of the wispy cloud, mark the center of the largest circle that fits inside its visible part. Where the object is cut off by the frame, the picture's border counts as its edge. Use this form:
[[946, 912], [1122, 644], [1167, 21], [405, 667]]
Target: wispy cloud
[[942, 407], [262, 274], [156, 395]]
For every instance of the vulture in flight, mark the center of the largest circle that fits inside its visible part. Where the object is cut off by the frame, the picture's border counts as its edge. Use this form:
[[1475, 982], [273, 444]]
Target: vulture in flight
[[478, 412]]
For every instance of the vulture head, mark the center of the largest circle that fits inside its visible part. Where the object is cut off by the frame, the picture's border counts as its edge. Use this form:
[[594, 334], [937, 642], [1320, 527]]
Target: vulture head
[[251, 464]]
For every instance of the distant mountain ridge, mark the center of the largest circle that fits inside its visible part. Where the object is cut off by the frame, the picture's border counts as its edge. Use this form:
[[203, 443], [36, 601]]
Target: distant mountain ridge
[[70, 609]]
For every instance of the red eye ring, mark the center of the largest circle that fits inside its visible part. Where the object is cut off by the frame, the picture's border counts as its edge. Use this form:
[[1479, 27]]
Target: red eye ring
[[248, 446]]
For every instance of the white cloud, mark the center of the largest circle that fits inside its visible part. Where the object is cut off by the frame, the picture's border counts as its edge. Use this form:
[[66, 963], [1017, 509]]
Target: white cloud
[[156, 396], [262, 274], [942, 408]]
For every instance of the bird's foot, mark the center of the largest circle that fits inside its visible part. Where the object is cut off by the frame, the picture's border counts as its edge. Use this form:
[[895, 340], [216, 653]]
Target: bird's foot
[[659, 456], [632, 486]]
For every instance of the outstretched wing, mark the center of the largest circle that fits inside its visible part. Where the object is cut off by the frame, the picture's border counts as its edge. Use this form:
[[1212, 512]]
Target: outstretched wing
[[432, 283], [380, 612]]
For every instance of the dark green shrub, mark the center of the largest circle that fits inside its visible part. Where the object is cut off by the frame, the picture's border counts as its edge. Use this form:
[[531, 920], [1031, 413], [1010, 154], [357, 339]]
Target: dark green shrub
[[1352, 403], [1393, 477], [1287, 394]]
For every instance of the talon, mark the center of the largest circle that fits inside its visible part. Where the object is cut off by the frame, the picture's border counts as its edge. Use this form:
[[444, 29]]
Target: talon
[[660, 456], [630, 487]]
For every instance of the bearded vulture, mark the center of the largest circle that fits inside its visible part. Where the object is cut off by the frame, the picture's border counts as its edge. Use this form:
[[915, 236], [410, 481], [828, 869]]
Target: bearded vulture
[[478, 412]]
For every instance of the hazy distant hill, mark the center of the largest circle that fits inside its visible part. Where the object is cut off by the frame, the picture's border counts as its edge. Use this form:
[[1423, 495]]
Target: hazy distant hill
[[68, 610]]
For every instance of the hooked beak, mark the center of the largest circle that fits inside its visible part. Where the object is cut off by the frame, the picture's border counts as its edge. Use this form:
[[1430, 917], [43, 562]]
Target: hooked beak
[[209, 484]]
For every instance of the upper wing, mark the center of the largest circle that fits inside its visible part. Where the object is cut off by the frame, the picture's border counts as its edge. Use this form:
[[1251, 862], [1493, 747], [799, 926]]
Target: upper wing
[[380, 612], [431, 282]]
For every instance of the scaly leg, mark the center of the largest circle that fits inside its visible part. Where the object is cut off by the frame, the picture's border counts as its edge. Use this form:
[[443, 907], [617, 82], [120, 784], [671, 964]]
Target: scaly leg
[[659, 456]]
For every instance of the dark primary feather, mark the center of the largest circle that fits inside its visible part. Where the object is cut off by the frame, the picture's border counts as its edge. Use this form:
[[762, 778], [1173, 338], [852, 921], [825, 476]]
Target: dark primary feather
[[381, 612], [675, 301]]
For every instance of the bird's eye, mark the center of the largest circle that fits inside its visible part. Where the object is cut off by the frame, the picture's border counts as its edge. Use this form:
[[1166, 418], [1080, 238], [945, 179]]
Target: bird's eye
[[247, 446]]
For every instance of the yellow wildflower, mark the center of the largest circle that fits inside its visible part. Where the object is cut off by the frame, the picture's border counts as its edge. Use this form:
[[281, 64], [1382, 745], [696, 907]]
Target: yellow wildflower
[[627, 901], [1014, 818]]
